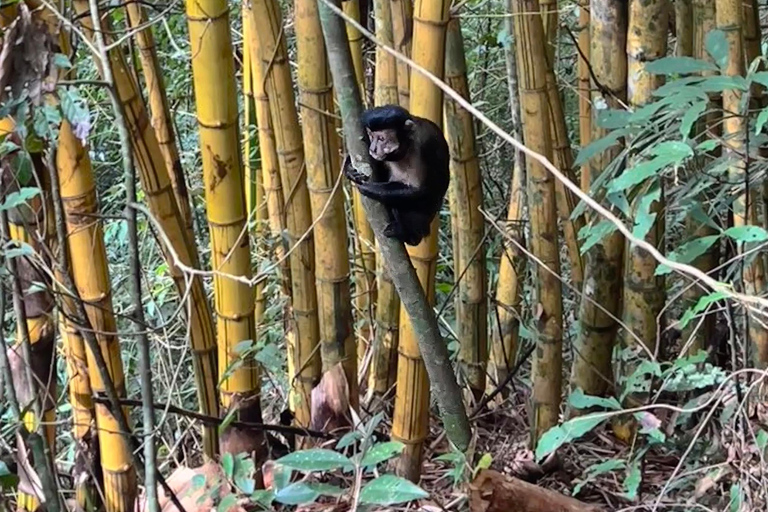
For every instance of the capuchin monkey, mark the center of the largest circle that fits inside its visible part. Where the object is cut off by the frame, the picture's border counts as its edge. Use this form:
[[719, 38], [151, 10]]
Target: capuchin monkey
[[410, 170]]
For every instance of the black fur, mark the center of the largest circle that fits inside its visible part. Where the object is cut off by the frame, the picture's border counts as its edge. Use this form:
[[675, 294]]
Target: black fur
[[411, 209]]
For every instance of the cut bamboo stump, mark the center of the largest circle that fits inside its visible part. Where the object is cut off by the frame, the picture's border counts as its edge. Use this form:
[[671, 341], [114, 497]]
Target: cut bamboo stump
[[492, 491]]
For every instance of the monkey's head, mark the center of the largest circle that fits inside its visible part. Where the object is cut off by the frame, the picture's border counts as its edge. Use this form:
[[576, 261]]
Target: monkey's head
[[389, 132]]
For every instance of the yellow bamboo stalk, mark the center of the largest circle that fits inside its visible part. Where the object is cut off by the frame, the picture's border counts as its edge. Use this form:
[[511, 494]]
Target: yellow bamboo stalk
[[161, 114], [304, 360], [561, 147], [213, 73], [684, 27], [532, 77], [644, 291], [729, 18], [591, 370], [90, 274], [352, 9], [321, 149], [27, 225], [703, 21], [585, 96], [402, 32], [468, 221], [255, 204], [270, 172], [410, 423], [384, 362], [83, 413], [164, 208]]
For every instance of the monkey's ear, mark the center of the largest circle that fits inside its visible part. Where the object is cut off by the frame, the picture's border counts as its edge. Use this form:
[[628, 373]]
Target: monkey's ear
[[409, 123], [368, 131]]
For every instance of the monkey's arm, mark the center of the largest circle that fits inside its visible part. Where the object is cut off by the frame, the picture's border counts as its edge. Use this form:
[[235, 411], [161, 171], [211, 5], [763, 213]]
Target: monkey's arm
[[391, 193]]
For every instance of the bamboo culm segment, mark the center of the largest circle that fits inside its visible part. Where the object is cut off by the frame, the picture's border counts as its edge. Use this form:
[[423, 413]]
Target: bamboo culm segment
[[217, 115], [303, 336], [158, 191]]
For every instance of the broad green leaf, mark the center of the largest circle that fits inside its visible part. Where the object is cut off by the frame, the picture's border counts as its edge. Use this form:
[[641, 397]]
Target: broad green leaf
[[23, 249], [644, 217], [762, 118], [391, 490], [611, 119], [579, 400], [19, 198], [717, 46], [640, 172], [381, 452], [597, 147], [281, 476], [736, 498], [760, 77], [633, 480], [326, 489], [297, 493], [595, 234], [198, 482], [691, 116], [708, 145], [348, 439], [702, 304], [596, 470], [264, 498], [688, 252], [61, 61], [679, 66], [316, 459], [678, 86], [227, 503], [747, 234], [724, 83], [572, 429], [228, 464], [484, 463], [762, 440], [675, 151]]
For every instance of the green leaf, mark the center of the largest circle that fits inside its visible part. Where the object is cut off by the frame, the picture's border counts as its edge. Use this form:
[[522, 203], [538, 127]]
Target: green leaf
[[762, 118], [198, 482], [264, 498], [227, 503], [597, 147], [632, 482], [736, 498], [228, 464], [700, 306], [19, 198], [724, 83], [391, 490], [484, 463], [595, 234], [316, 459], [717, 46], [691, 116], [708, 145], [381, 452], [281, 476], [638, 174], [596, 470], [579, 400], [298, 493], [679, 66], [762, 440], [675, 151], [61, 61], [611, 119], [688, 252], [572, 429], [348, 439], [747, 234], [24, 249], [644, 217], [760, 77]]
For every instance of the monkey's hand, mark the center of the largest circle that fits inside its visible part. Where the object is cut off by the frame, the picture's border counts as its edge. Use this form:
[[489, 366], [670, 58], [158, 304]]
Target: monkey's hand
[[353, 174]]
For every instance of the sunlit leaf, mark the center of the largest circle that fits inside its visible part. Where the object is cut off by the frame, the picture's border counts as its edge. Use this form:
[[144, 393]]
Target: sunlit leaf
[[572, 429], [316, 459], [391, 490], [678, 66]]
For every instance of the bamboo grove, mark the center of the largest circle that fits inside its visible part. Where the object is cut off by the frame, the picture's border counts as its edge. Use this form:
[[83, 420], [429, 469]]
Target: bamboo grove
[[266, 295]]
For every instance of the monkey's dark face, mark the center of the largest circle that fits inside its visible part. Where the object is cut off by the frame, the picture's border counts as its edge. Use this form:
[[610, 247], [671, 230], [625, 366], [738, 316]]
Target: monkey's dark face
[[385, 144]]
